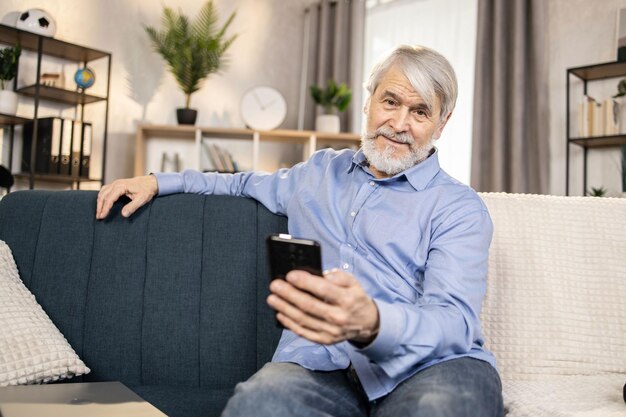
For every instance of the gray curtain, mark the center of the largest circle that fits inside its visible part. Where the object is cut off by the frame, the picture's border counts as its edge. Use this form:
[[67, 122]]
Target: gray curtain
[[333, 48], [510, 148]]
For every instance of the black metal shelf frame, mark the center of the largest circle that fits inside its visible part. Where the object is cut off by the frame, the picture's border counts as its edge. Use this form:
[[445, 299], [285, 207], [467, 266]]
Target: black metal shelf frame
[[44, 45], [586, 74]]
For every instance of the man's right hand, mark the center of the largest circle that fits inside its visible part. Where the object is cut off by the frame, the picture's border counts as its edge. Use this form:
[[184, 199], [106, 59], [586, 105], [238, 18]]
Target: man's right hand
[[140, 190]]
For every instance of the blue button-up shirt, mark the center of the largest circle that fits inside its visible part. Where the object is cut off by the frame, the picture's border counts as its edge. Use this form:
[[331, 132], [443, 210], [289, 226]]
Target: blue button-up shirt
[[417, 242]]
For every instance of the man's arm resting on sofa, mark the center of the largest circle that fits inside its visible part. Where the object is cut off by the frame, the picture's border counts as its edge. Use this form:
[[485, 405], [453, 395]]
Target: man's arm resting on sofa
[[140, 190]]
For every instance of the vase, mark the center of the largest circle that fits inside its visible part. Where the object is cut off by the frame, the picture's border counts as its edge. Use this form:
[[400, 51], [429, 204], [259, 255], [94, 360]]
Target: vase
[[8, 102], [327, 123], [186, 116]]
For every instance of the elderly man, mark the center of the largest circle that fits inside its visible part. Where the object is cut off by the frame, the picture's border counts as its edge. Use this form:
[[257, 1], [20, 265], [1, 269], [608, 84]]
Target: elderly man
[[392, 329]]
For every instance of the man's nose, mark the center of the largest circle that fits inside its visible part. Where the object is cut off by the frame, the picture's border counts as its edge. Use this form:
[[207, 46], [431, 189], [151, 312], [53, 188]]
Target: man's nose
[[400, 120]]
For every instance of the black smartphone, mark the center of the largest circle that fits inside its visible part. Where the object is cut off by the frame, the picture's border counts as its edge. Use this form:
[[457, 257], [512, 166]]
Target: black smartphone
[[287, 253]]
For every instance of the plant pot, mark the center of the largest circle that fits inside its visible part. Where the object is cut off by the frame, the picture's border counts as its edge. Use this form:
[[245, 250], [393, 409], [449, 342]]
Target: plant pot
[[186, 116], [8, 102], [328, 123]]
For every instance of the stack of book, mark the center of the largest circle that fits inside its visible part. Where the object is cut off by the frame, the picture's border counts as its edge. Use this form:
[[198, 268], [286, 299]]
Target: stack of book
[[63, 147], [221, 159], [598, 118]]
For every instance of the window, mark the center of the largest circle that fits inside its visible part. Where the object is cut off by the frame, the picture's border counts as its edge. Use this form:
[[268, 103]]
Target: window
[[448, 26]]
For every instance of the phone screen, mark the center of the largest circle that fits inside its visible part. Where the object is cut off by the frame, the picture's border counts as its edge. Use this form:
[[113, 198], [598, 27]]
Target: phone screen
[[287, 253]]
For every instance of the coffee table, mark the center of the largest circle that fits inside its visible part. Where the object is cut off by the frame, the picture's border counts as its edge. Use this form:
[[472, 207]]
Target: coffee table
[[89, 399]]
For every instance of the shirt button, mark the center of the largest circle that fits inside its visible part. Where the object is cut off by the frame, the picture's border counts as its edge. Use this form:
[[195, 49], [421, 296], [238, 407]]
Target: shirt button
[[353, 213], [372, 183], [345, 266]]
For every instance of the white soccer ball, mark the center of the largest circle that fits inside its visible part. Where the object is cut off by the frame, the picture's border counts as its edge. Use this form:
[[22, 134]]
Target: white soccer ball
[[37, 21]]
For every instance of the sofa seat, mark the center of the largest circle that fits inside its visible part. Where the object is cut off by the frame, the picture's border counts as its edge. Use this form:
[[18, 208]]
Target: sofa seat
[[184, 401], [566, 396]]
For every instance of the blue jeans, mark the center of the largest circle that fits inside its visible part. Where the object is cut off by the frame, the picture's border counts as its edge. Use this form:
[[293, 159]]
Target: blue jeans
[[462, 387]]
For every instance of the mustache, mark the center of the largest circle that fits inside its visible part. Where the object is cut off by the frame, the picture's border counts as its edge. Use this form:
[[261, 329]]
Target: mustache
[[389, 133]]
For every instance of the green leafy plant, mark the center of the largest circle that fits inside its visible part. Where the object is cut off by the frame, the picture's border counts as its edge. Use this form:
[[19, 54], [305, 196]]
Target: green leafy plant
[[597, 192], [8, 64], [621, 89], [192, 49], [333, 95]]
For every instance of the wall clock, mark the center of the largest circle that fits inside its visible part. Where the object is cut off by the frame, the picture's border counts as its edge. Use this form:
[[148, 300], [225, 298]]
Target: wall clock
[[263, 108]]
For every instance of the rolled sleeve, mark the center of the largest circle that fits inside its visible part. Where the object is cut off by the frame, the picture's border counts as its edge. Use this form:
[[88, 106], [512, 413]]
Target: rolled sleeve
[[169, 183]]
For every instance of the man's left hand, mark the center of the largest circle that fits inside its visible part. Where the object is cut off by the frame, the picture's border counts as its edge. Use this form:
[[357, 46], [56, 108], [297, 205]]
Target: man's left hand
[[325, 310]]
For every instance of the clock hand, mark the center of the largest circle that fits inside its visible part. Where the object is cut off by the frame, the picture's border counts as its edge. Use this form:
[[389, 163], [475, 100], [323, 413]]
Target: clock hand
[[270, 103], [256, 97]]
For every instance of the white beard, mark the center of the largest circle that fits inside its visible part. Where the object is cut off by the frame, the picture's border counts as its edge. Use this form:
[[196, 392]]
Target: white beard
[[386, 161]]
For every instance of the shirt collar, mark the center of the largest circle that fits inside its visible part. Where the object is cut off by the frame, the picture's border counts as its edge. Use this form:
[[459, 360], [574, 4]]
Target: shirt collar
[[419, 176]]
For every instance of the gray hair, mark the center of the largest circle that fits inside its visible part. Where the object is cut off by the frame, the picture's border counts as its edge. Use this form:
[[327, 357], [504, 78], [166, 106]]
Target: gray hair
[[429, 72]]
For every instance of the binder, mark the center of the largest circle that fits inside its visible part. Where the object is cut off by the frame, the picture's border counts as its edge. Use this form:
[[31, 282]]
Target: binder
[[66, 143], [47, 128], [86, 156], [55, 146], [77, 141]]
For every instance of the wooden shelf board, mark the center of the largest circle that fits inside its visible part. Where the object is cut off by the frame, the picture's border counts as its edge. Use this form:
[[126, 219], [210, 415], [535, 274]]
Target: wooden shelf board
[[8, 120], [50, 46], [599, 71], [60, 95], [599, 141], [68, 179]]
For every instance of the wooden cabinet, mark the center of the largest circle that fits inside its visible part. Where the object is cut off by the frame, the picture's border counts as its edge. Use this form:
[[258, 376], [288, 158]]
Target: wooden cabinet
[[45, 47], [310, 140]]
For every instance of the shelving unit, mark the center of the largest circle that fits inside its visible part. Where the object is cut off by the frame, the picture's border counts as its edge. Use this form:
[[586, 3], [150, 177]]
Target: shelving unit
[[586, 74], [309, 139], [45, 46]]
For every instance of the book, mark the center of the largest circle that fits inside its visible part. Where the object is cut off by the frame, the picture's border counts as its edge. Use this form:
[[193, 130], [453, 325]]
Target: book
[[611, 117], [214, 155]]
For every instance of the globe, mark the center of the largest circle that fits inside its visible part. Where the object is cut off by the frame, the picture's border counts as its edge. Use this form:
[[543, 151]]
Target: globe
[[84, 77]]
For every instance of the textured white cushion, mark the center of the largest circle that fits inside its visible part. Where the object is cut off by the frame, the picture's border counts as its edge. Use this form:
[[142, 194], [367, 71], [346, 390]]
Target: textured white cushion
[[556, 296], [32, 350], [566, 396], [555, 310]]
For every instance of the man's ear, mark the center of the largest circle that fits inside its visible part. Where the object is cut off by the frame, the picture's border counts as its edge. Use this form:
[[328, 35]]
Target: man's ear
[[442, 124], [366, 106]]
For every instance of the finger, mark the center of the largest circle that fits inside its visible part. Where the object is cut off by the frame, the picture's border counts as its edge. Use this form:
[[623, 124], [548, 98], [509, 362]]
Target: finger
[[306, 302], [132, 207], [341, 278], [105, 202], [302, 318], [321, 288], [317, 337]]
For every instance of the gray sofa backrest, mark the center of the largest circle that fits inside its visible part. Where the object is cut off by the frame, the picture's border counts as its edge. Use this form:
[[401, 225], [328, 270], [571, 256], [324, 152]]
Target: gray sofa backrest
[[175, 295]]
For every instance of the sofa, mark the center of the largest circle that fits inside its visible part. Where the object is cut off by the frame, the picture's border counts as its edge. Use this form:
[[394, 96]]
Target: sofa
[[171, 301]]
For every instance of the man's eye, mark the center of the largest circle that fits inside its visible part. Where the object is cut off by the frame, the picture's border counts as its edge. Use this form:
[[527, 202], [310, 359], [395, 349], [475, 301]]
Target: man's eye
[[390, 102]]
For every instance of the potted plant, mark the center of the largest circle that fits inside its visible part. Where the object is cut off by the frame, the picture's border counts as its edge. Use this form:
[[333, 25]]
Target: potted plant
[[9, 58], [192, 50], [331, 97]]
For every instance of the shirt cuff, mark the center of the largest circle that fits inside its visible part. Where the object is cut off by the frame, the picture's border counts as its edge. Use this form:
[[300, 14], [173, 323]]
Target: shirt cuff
[[390, 328], [169, 182]]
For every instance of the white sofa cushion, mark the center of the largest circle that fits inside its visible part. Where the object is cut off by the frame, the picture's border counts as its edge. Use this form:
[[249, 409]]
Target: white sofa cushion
[[556, 303], [32, 350]]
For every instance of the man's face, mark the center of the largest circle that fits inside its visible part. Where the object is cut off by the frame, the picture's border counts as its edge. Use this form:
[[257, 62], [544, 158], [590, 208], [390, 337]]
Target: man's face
[[401, 130]]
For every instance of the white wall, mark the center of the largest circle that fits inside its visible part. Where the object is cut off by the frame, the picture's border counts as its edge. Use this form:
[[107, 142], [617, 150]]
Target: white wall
[[581, 32], [267, 52]]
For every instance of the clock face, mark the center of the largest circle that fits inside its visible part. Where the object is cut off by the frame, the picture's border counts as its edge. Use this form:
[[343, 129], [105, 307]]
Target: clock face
[[263, 108]]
